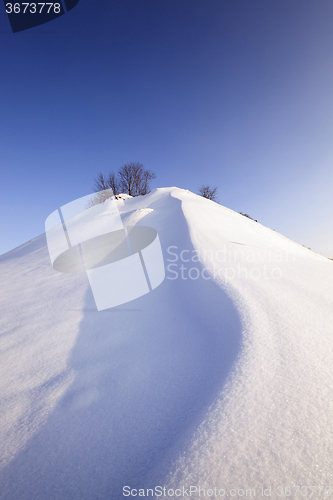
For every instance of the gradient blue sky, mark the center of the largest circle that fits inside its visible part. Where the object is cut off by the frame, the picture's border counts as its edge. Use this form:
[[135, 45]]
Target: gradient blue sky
[[233, 93]]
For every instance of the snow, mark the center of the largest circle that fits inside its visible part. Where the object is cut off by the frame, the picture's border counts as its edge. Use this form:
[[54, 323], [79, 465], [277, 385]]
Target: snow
[[221, 379]]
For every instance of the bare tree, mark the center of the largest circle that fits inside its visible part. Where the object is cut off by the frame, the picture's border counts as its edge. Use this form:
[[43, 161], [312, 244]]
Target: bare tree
[[105, 187], [145, 184], [100, 182], [128, 178], [113, 183], [103, 182], [208, 192], [134, 179], [131, 179]]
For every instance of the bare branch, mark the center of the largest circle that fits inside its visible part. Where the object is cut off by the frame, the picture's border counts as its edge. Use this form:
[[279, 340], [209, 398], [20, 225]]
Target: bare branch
[[100, 197], [131, 179], [113, 183], [134, 179], [208, 192]]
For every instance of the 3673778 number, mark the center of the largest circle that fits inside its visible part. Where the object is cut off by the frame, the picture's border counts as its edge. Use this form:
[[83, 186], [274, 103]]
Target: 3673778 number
[[33, 8], [323, 491]]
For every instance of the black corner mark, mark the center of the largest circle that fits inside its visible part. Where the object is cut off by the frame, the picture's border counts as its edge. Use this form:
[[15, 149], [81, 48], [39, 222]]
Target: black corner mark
[[70, 4], [25, 15]]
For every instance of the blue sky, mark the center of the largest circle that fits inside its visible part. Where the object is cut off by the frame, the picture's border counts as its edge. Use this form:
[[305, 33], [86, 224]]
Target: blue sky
[[233, 93]]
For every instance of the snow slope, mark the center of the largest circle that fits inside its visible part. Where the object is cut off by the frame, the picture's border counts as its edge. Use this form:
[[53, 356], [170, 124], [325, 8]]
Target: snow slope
[[219, 378]]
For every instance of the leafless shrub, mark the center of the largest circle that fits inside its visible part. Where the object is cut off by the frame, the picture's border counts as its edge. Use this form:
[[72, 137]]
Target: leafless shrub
[[208, 192], [246, 215], [100, 197], [131, 179], [103, 182], [134, 179]]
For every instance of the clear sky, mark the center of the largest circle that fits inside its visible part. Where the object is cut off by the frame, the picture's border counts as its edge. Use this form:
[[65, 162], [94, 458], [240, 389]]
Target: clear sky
[[233, 93]]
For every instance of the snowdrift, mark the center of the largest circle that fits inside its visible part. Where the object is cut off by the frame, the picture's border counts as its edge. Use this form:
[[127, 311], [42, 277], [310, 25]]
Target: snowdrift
[[219, 379]]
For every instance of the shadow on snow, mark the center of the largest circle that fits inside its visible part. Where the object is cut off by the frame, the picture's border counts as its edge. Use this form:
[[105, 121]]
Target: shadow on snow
[[145, 377]]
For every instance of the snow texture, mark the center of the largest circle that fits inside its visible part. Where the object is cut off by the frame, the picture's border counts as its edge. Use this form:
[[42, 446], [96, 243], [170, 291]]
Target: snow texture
[[220, 379]]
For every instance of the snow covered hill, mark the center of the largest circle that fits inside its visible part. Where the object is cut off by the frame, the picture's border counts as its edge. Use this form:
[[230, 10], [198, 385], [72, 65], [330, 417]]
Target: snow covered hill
[[219, 378]]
